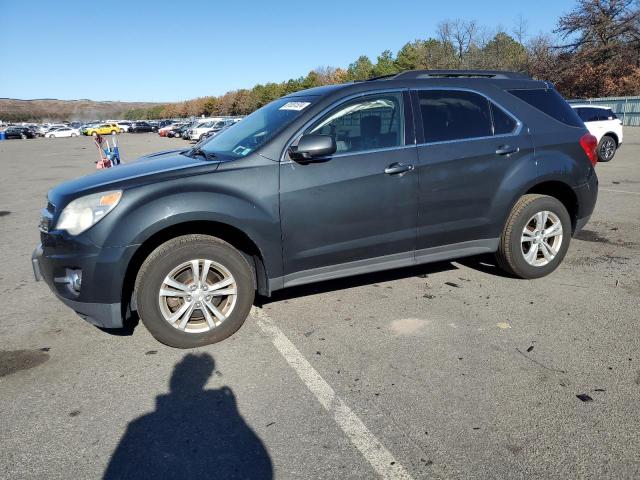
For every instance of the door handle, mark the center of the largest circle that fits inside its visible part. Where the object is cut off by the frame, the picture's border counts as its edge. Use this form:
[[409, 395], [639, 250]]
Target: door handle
[[507, 150], [396, 168]]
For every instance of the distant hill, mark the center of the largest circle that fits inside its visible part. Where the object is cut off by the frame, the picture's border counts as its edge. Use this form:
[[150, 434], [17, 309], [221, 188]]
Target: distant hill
[[46, 109]]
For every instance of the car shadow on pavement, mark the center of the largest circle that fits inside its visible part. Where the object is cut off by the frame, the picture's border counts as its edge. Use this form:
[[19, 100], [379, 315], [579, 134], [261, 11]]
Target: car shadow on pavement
[[193, 433]]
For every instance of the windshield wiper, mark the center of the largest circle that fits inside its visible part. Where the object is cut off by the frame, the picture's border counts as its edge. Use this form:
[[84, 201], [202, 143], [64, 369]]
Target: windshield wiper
[[199, 152]]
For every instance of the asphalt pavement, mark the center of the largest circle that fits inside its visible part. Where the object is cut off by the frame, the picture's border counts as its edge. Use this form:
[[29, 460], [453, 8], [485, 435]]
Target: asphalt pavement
[[449, 370]]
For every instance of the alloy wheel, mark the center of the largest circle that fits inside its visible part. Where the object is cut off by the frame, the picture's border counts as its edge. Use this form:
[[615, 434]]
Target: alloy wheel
[[541, 238], [197, 296], [608, 148]]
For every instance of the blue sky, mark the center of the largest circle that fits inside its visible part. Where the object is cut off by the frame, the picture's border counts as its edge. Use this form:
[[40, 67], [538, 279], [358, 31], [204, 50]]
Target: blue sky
[[176, 50]]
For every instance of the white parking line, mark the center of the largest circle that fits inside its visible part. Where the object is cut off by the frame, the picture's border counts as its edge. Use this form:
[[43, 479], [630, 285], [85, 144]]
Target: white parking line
[[620, 191], [369, 446]]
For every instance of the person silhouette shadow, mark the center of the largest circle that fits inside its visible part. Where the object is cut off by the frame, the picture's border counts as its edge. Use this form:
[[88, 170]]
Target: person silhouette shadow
[[192, 434]]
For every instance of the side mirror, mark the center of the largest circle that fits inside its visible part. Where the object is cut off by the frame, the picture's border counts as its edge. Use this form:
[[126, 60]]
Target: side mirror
[[311, 147]]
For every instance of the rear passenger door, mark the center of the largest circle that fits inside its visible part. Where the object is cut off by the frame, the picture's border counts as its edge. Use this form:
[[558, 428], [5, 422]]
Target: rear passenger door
[[467, 146]]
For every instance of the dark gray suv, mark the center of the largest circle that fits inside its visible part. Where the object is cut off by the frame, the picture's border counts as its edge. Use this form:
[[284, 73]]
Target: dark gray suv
[[324, 183]]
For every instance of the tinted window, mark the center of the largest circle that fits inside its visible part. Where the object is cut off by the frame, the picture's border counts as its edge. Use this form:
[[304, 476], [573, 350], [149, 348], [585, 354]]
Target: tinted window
[[608, 114], [365, 124], [590, 114], [454, 115], [502, 123], [550, 102]]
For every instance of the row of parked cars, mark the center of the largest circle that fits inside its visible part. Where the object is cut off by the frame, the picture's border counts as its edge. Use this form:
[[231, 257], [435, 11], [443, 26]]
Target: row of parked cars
[[199, 129], [75, 129]]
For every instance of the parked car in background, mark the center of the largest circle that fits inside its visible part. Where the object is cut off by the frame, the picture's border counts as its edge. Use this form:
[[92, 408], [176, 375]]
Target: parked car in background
[[42, 130], [141, 127], [19, 132], [326, 183], [164, 131], [63, 132], [215, 131], [605, 126], [197, 131], [180, 131], [164, 123], [124, 125], [103, 129]]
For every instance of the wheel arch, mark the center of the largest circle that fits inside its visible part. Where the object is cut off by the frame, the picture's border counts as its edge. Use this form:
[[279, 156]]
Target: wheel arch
[[612, 135], [230, 234], [562, 192]]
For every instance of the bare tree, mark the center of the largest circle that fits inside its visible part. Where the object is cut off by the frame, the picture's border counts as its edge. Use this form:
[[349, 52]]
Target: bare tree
[[460, 33], [521, 29]]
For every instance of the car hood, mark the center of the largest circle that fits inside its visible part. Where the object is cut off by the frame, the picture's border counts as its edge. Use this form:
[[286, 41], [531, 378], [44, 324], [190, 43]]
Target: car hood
[[152, 168]]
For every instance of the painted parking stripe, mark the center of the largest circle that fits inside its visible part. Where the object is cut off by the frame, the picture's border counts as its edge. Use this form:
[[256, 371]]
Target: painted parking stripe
[[369, 446], [620, 191]]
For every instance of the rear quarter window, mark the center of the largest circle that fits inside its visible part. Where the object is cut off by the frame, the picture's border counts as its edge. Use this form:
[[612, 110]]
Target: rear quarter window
[[550, 102]]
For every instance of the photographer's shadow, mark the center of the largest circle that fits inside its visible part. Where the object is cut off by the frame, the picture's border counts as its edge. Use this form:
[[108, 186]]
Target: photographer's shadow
[[193, 433]]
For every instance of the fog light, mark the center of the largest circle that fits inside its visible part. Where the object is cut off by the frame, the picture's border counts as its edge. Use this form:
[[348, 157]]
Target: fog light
[[72, 279]]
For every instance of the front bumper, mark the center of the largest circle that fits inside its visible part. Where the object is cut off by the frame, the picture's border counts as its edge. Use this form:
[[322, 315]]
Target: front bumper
[[98, 299]]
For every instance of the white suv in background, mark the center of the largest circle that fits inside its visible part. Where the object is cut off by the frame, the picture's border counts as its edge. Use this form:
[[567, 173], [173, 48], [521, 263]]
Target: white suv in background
[[605, 126], [197, 131]]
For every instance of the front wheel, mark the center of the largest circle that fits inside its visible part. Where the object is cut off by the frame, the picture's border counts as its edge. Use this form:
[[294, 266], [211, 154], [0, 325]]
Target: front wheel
[[194, 290], [94, 134], [113, 132], [607, 148], [52, 136], [535, 238]]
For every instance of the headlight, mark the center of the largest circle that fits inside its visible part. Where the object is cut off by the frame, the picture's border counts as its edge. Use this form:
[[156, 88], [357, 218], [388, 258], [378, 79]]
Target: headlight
[[84, 212]]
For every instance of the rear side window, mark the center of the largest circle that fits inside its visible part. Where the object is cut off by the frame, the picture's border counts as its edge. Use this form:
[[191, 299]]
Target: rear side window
[[503, 124], [591, 114], [550, 102], [454, 115]]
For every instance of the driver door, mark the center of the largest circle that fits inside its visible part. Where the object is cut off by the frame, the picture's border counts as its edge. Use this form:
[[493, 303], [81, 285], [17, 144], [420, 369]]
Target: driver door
[[356, 210]]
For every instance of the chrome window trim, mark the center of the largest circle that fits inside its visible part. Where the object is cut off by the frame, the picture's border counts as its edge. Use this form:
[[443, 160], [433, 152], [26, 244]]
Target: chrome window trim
[[336, 104], [515, 133]]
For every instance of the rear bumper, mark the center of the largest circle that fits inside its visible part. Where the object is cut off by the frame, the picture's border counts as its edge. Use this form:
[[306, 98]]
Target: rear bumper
[[587, 196], [98, 296]]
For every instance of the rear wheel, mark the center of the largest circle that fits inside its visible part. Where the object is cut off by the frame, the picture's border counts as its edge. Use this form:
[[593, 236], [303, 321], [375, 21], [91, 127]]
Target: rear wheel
[[607, 148], [52, 136], [535, 238], [194, 290], [94, 134]]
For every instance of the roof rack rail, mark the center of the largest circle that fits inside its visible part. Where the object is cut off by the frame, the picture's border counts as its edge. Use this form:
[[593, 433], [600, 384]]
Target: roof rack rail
[[497, 74]]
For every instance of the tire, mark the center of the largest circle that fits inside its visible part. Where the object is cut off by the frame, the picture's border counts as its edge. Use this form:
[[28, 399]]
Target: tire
[[23, 136], [172, 260], [513, 249], [607, 148], [52, 136], [73, 135], [94, 134], [113, 132]]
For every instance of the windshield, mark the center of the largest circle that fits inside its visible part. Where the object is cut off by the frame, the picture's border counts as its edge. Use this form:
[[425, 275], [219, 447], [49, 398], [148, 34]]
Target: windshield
[[256, 129]]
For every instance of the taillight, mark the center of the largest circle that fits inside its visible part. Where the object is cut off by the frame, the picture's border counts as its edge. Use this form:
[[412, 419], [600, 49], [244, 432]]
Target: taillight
[[589, 144]]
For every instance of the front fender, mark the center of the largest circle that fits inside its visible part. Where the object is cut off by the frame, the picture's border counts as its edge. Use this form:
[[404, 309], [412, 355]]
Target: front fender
[[243, 198]]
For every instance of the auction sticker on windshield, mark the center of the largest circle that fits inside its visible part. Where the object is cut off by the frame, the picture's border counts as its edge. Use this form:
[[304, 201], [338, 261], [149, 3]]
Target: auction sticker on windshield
[[294, 106]]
